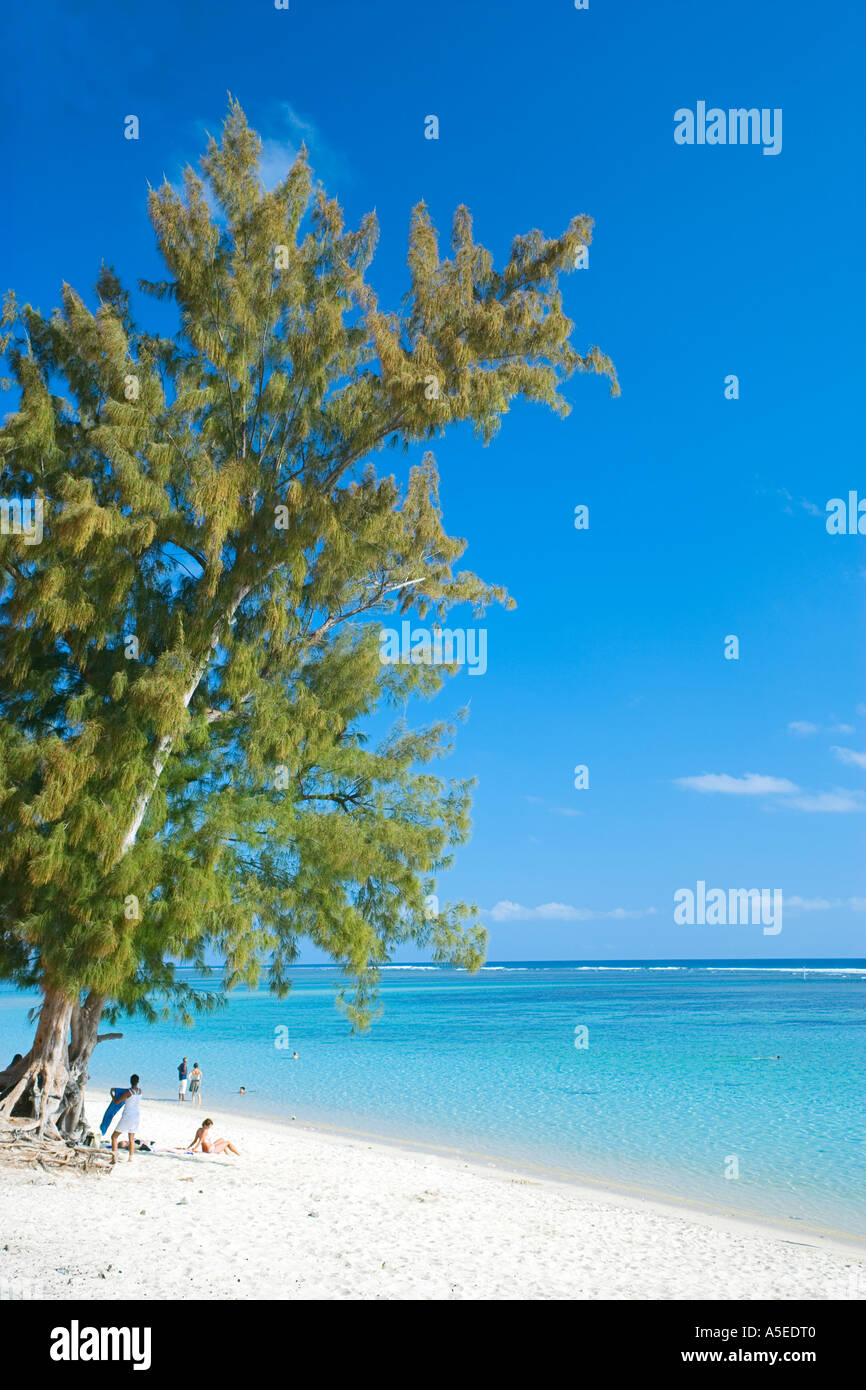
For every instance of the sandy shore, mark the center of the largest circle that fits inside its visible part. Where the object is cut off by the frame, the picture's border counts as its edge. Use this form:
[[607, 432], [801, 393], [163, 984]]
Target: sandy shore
[[305, 1214]]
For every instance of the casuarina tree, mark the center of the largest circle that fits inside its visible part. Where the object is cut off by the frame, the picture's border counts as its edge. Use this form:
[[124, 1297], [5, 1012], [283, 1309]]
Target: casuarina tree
[[189, 655]]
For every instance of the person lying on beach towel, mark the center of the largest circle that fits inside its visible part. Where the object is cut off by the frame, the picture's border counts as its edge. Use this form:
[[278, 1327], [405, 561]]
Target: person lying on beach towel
[[209, 1145]]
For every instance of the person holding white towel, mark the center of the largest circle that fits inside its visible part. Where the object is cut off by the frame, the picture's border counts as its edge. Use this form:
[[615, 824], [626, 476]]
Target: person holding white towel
[[129, 1119]]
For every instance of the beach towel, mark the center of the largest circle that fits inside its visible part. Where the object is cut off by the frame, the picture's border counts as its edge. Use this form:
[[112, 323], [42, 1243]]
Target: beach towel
[[112, 1109]]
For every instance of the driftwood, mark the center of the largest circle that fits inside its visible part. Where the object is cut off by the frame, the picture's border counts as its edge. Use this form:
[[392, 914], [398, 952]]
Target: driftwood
[[22, 1149]]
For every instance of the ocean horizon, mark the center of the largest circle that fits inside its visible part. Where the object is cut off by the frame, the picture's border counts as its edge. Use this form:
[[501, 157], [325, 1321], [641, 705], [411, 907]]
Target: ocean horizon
[[730, 1084]]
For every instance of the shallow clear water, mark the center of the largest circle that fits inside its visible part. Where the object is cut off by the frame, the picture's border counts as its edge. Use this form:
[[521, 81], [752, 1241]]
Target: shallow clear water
[[674, 1088]]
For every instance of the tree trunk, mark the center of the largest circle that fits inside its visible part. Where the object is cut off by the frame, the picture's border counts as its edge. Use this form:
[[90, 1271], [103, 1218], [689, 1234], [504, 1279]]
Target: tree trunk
[[50, 1068], [42, 1074], [83, 1039]]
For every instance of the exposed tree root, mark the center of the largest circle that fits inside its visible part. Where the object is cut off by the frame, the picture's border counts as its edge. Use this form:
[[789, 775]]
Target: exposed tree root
[[20, 1147]]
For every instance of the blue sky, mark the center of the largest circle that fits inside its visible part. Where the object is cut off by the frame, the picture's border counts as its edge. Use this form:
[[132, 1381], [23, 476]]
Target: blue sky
[[706, 515]]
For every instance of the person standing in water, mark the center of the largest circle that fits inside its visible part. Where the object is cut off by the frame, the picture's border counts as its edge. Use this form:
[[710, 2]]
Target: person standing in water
[[181, 1080], [195, 1084], [129, 1119]]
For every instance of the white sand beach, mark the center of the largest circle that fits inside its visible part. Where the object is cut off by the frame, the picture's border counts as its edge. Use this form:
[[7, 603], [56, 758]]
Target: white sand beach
[[308, 1214]]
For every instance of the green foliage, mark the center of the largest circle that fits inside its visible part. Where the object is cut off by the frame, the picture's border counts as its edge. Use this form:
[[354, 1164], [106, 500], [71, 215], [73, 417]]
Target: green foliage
[[212, 495]]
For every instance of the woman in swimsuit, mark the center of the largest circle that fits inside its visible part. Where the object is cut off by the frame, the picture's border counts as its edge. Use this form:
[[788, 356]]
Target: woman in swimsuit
[[195, 1083], [208, 1145]]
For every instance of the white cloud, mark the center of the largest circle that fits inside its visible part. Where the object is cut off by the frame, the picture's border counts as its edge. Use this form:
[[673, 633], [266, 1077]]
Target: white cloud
[[275, 161], [752, 784], [839, 801], [282, 132], [798, 904], [804, 727], [287, 131], [280, 151], [803, 502], [506, 911], [850, 756], [553, 810]]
